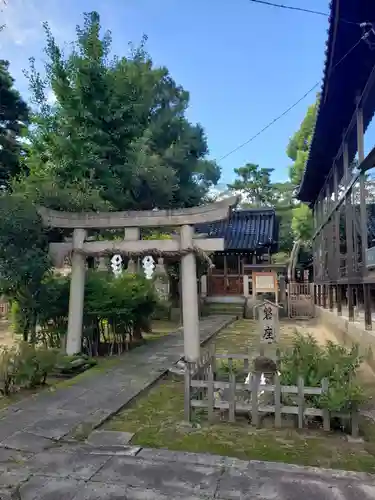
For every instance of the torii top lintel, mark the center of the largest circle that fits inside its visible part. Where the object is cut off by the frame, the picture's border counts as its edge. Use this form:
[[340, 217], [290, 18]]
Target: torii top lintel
[[148, 218]]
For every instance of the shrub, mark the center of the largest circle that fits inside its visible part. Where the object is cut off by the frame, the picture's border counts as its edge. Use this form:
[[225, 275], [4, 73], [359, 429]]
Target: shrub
[[123, 305], [307, 359], [34, 365], [25, 366], [117, 310], [9, 360]]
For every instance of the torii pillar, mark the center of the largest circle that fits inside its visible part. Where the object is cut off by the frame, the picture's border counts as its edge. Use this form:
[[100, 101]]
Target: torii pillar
[[190, 314]]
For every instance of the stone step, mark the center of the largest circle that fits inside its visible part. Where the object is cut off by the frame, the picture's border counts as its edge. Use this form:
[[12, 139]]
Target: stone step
[[220, 309]]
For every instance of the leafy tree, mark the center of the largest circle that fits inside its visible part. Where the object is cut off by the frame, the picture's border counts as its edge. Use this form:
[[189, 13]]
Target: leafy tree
[[13, 120], [117, 130], [302, 223], [254, 183], [299, 144], [23, 257], [298, 150]]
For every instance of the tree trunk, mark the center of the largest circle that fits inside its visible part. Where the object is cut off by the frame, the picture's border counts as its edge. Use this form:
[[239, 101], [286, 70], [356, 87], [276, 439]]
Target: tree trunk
[[137, 332]]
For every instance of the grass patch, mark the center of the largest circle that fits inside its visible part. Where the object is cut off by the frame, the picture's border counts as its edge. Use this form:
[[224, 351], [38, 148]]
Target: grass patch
[[157, 417], [157, 421]]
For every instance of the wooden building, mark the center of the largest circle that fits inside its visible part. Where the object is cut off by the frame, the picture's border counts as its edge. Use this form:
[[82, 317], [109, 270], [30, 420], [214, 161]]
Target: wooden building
[[339, 177], [250, 238]]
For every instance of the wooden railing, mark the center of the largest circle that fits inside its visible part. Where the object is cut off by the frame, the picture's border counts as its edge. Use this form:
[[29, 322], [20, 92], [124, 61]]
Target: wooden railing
[[201, 387]]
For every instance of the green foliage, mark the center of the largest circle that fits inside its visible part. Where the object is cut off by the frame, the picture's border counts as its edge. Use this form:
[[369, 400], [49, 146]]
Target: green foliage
[[255, 185], [299, 145], [117, 133], [34, 365], [25, 366], [281, 258], [298, 150], [24, 257], [13, 122], [8, 369], [307, 359], [127, 302], [302, 223], [117, 310]]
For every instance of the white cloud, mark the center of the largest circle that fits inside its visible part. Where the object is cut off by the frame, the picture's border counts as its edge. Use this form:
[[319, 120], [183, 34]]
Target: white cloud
[[23, 22], [51, 97]]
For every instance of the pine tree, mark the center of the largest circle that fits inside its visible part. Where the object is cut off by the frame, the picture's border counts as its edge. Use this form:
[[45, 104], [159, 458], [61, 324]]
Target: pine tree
[[13, 122]]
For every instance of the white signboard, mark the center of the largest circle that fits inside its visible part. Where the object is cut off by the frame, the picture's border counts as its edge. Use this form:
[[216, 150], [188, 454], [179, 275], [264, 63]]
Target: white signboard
[[268, 319], [264, 282]]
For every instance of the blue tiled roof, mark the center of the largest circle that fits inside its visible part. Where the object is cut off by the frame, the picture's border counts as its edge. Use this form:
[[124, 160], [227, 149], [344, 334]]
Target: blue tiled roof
[[244, 230], [354, 61]]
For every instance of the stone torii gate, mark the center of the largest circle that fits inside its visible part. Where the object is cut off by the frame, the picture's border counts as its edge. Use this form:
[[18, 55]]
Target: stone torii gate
[[78, 249]]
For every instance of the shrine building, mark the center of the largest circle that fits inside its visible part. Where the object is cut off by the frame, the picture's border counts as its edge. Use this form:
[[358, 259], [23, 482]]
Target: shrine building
[[339, 177], [250, 240]]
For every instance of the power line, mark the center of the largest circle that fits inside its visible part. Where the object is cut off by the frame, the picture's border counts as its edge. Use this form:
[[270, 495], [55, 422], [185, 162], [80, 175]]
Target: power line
[[363, 37], [299, 9]]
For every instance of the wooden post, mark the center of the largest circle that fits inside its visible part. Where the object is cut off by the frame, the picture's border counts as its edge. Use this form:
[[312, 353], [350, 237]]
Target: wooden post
[[301, 402], [187, 395], [348, 213], [246, 365], [355, 426], [362, 187], [367, 306], [325, 296], [277, 399], [210, 395], [319, 295], [315, 295], [350, 302], [230, 366], [254, 399], [339, 299], [232, 397], [330, 297], [326, 419]]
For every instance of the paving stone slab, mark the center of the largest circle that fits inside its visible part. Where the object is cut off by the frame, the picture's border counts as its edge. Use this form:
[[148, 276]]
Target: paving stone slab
[[121, 451], [55, 426], [110, 438], [166, 478], [275, 484], [9, 456], [181, 457], [101, 491], [11, 479], [48, 488], [25, 441], [62, 464]]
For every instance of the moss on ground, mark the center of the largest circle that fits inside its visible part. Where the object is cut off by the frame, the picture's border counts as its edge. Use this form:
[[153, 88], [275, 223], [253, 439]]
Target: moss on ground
[[157, 417]]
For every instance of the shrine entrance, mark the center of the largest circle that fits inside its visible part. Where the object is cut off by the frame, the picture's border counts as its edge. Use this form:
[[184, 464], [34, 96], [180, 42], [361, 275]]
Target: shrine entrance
[[185, 243], [300, 300]]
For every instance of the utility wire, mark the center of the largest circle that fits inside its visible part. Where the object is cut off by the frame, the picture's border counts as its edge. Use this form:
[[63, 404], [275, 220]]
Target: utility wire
[[363, 37], [299, 9]]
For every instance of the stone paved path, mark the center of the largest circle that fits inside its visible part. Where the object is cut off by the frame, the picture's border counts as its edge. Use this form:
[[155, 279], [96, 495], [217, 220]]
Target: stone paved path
[[39, 462], [33, 423], [81, 472]]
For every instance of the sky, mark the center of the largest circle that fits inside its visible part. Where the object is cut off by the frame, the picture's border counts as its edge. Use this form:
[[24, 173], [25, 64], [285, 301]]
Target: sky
[[242, 63]]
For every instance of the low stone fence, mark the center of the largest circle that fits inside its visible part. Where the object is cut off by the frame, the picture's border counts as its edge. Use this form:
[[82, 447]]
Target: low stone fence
[[235, 397]]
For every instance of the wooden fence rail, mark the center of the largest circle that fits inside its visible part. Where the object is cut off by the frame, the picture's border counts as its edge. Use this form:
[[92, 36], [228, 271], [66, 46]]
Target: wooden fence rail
[[248, 400]]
